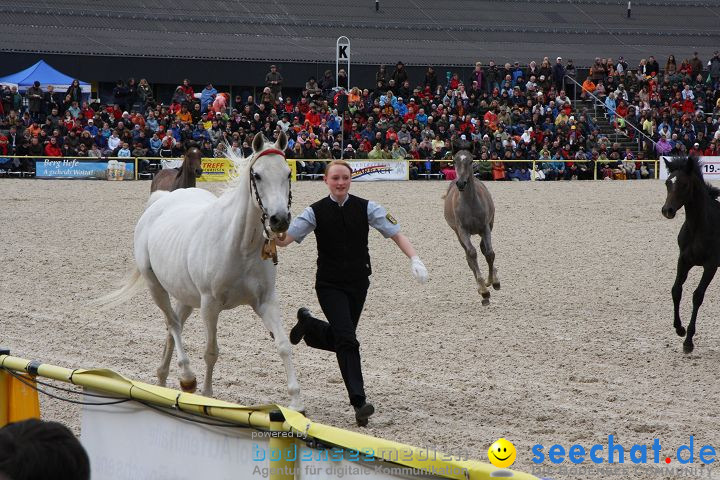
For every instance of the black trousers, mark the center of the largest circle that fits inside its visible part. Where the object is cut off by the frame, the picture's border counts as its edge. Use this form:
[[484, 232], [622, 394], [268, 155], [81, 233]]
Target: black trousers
[[342, 306]]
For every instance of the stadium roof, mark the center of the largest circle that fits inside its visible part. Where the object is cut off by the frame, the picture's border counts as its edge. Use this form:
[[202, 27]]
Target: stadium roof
[[448, 32]]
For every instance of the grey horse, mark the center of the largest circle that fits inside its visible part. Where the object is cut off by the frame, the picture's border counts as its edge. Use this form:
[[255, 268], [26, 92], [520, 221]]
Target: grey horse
[[469, 210]]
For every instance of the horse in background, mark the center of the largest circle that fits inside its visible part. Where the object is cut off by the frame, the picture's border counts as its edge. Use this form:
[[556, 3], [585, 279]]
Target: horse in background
[[699, 237], [185, 176], [207, 252], [469, 210]]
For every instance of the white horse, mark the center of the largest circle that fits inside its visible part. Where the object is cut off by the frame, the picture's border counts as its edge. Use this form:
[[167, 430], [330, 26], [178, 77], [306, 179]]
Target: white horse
[[205, 252]]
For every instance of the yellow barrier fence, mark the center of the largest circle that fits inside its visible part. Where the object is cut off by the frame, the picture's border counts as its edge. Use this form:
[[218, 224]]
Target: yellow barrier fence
[[268, 418]]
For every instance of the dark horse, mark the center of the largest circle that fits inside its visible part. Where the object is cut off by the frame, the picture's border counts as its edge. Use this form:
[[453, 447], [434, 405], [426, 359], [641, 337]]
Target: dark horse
[[184, 177], [699, 237]]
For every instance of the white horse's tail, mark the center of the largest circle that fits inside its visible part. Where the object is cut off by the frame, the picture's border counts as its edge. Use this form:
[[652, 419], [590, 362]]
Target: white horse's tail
[[133, 283]]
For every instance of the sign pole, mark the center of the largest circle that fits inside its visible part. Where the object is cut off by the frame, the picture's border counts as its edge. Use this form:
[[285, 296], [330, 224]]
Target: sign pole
[[342, 54]]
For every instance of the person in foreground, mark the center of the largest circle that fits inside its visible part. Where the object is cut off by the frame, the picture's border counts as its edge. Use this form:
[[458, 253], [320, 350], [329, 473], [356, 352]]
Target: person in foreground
[[34, 449], [341, 224]]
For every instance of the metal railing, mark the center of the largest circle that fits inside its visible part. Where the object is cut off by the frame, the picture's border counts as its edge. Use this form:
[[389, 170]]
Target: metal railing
[[304, 175], [597, 102], [596, 164]]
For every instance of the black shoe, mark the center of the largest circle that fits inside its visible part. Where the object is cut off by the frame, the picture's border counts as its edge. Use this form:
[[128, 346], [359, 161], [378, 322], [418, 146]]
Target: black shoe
[[363, 413], [298, 331]]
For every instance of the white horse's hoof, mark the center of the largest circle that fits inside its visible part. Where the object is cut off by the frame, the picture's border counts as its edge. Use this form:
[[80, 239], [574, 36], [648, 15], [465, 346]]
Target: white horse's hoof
[[298, 408], [189, 386]]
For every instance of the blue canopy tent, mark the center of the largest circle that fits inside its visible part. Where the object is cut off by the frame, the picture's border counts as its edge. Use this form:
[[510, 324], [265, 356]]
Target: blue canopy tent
[[43, 73]]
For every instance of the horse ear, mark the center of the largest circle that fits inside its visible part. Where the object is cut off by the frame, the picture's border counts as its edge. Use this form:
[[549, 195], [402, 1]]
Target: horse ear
[[691, 164], [258, 142], [667, 164], [281, 142]]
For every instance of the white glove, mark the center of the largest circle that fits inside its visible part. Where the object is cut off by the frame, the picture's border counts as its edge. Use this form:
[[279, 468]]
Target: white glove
[[418, 269]]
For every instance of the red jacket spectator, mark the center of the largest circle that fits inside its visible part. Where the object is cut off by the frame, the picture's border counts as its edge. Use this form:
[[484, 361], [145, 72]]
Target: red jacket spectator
[[188, 90], [426, 93], [313, 117], [695, 150], [688, 106], [622, 109], [34, 129], [138, 119], [3, 144], [303, 106], [52, 149], [87, 113], [115, 111], [491, 118]]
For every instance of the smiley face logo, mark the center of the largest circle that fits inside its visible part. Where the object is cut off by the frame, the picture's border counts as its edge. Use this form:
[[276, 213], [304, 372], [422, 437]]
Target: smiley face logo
[[502, 453]]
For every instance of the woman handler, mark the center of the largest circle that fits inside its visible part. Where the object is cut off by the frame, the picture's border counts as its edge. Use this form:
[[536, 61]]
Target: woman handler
[[341, 224]]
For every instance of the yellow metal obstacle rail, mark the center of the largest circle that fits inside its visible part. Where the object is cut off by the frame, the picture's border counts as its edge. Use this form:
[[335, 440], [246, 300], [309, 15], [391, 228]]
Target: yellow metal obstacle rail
[[268, 417]]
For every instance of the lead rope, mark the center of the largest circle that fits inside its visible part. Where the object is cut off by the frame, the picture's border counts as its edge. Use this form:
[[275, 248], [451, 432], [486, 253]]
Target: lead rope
[[269, 249]]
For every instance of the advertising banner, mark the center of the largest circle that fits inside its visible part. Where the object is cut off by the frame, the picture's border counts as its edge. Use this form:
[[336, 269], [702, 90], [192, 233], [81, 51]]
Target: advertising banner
[[710, 168], [147, 444], [372, 171], [216, 170], [83, 168]]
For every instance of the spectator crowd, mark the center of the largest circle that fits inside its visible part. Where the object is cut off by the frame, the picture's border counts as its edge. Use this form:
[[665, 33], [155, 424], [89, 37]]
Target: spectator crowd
[[508, 115]]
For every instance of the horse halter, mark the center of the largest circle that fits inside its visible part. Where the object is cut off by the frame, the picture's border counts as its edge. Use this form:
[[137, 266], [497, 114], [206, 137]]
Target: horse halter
[[269, 249]]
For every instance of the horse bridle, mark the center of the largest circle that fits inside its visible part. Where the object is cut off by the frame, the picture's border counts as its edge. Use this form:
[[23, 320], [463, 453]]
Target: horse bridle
[[271, 251]]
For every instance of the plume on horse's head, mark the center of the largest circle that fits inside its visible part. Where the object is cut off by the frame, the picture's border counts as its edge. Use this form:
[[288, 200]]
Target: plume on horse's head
[[691, 165], [237, 160], [240, 165]]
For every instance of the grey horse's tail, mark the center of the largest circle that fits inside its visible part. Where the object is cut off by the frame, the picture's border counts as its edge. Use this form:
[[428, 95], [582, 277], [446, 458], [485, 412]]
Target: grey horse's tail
[[448, 191], [133, 283]]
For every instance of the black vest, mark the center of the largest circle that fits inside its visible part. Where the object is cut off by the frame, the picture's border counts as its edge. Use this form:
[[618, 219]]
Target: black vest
[[342, 241]]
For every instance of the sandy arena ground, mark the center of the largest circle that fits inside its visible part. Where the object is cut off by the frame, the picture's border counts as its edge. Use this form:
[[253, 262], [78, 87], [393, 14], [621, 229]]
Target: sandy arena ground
[[577, 345]]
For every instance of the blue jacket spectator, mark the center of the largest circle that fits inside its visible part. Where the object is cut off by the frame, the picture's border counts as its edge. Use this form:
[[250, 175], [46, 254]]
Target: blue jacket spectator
[[207, 97], [200, 134], [155, 144], [422, 118], [152, 124], [400, 107], [90, 127]]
